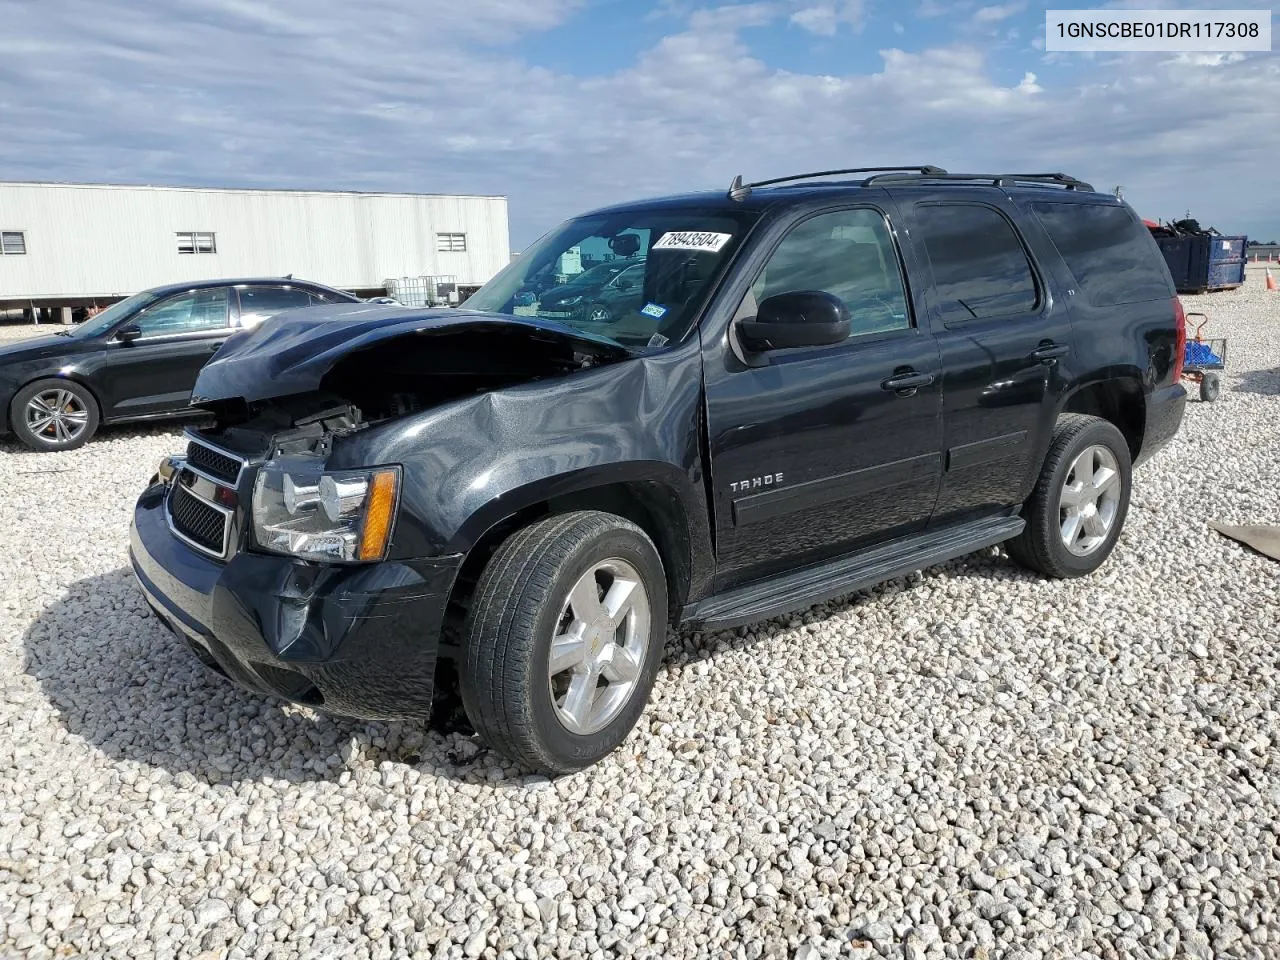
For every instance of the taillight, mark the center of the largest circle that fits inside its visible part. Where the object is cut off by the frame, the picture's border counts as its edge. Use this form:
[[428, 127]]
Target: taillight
[[1180, 341]]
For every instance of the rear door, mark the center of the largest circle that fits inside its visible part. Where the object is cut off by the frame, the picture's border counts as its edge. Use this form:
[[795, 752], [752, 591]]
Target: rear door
[[155, 373], [1005, 347], [820, 451]]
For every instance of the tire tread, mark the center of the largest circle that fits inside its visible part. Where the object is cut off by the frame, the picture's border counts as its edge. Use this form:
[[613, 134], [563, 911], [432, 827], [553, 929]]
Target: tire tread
[[515, 584], [1034, 547]]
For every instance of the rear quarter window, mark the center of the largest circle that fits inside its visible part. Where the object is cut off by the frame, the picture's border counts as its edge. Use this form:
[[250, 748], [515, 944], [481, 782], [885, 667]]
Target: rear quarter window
[[1110, 254]]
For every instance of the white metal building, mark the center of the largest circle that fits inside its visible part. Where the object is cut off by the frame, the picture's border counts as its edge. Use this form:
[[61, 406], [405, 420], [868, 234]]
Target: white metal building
[[75, 244]]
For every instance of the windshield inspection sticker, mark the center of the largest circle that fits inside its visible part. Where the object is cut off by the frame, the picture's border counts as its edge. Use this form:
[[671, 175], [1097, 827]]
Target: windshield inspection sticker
[[692, 240], [654, 310]]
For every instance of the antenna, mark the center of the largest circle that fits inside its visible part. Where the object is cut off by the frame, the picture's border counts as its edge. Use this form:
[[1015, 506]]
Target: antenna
[[737, 191]]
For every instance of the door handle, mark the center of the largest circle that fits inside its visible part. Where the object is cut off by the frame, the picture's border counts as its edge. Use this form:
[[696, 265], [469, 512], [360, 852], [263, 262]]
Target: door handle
[[1048, 353], [906, 383]]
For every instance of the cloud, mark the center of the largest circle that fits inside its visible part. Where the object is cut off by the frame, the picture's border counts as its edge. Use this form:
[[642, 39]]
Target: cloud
[[1029, 85], [928, 9], [434, 98], [1003, 11], [825, 19]]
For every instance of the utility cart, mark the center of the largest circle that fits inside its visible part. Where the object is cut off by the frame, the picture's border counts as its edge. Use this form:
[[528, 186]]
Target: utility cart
[[1204, 361]]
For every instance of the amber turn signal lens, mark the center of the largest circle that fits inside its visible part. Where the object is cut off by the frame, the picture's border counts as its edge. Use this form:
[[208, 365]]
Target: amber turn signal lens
[[378, 515]]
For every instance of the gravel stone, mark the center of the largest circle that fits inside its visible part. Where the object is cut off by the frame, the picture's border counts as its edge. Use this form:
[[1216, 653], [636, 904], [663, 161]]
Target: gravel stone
[[965, 762]]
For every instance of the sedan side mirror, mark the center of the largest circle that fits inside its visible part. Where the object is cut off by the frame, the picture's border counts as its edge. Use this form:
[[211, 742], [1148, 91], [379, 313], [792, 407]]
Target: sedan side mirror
[[623, 283], [129, 333], [801, 318]]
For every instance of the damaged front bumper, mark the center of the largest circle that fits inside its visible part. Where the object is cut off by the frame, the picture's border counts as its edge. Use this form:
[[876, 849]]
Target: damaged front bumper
[[359, 641]]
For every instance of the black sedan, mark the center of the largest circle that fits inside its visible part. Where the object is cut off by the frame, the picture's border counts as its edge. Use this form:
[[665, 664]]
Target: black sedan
[[137, 360], [598, 295]]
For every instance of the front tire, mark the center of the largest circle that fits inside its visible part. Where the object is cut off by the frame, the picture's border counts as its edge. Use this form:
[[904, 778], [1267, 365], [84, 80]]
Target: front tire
[[597, 313], [564, 640], [1075, 514], [54, 414]]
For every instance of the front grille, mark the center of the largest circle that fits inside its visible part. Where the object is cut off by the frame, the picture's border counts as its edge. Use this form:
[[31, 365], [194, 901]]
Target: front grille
[[196, 520], [220, 466]]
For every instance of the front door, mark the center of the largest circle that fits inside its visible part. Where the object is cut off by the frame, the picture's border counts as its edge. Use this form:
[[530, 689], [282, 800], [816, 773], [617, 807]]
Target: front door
[[1005, 345], [155, 373], [819, 451]]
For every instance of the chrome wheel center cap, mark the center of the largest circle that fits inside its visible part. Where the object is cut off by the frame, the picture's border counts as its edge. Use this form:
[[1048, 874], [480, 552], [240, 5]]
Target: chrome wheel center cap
[[599, 641]]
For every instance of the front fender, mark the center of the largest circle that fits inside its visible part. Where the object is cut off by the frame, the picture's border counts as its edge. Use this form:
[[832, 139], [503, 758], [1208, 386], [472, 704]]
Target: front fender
[[471, 463]]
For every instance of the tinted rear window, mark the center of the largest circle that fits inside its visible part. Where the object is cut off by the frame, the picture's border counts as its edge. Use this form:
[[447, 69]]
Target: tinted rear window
[[1108, 251], [980, 269]]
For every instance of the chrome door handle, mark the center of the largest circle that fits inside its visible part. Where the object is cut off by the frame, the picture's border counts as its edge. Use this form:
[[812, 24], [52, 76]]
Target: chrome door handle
[[1048, 353], [904, 384]]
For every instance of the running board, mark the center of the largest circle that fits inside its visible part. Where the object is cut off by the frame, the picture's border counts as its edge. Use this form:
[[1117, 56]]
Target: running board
[[812, 585]]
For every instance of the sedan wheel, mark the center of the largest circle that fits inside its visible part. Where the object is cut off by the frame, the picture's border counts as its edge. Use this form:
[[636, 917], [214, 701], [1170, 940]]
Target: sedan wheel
[[54, 414], [58, 416]]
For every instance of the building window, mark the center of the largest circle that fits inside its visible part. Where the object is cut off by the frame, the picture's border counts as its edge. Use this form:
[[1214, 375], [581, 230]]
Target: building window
[[13, 243], [451, 242], [196, 243]]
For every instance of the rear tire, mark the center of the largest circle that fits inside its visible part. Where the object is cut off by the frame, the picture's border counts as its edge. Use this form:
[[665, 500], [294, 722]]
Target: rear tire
[[54, 414], [1077, 509], [592, 582]]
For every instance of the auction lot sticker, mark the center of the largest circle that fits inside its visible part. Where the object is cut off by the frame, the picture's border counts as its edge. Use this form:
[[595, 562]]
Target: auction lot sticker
[[1135, 31], [692, 240]]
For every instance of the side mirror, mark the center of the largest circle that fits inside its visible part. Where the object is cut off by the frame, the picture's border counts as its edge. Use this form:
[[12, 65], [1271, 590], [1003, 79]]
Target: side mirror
[[129, 333], [801, 318], [623, 283]]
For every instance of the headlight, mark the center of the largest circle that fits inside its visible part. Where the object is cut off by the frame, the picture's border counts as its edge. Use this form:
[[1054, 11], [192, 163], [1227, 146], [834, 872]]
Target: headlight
[[570, 301], [168, 467], [342, 516]]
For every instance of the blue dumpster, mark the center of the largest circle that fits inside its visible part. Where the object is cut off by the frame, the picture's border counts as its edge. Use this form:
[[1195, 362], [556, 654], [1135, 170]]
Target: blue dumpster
[[1204, 263]]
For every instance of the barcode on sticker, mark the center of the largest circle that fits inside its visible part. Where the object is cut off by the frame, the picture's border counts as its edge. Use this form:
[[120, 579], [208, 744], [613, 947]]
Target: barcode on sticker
[[692, 240]]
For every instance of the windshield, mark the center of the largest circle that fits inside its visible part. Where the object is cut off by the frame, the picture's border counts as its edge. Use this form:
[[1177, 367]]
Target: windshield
[[114, 313], [638, 277]]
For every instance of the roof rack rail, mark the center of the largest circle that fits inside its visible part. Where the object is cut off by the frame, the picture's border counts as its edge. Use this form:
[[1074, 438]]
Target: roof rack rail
[[739, 190], [996, 179], [927, 170]]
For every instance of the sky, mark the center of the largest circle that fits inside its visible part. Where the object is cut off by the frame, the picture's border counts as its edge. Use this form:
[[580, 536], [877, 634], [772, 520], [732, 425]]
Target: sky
[[564, 105]]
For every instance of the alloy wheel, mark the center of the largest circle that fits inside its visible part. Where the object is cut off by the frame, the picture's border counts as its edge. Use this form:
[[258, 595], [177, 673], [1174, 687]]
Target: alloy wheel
[[56, 416], [598, 652], [1090, 500]]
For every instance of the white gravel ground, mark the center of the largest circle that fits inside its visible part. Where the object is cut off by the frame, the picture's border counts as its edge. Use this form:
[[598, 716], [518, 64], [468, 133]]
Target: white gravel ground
[[971, 763]]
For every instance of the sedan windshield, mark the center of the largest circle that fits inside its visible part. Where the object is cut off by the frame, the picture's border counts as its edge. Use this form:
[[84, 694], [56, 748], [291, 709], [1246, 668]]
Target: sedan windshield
[[638, 277], [113, 314]]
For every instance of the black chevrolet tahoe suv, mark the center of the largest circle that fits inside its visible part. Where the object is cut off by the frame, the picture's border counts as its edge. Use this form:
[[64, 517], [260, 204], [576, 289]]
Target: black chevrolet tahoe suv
[[828, 381]]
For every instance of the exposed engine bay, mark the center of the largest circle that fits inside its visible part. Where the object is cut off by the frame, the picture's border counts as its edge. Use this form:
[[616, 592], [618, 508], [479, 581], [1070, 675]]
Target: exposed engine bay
[[386, 378]]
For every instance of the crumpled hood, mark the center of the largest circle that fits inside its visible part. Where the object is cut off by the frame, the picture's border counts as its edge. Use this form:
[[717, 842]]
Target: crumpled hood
[[291, 352]]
